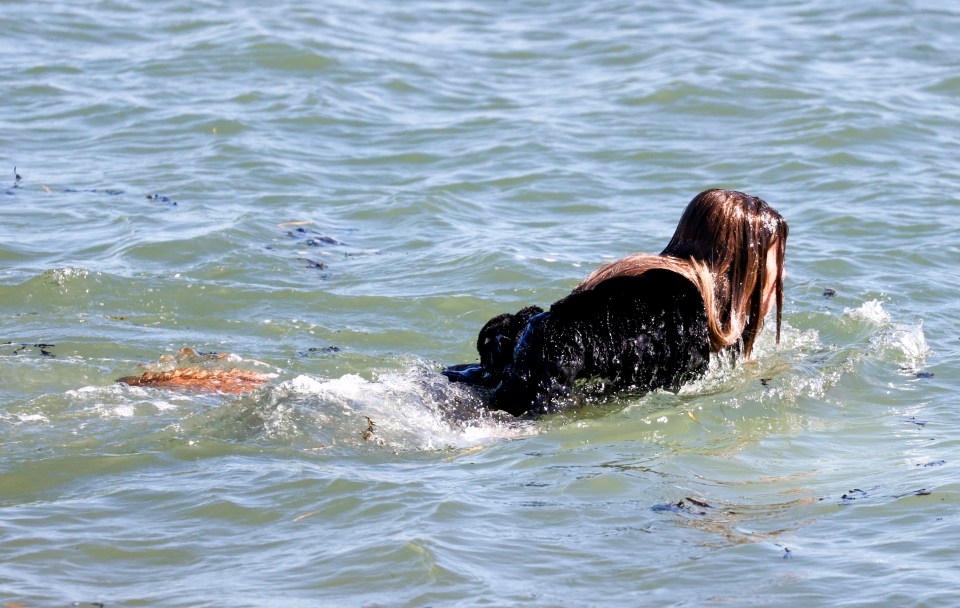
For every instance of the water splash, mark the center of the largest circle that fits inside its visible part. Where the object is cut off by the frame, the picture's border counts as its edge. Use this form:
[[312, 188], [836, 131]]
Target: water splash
[[60, 277], [419, 409], [415, 410], [908, 344], [905, 342], [871, 311]]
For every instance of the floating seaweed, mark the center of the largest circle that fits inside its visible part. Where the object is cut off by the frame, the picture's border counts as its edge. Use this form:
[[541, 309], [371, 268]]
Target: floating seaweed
[[198, 370], [162, 199], [309, 238], [699, 503], [232, 381], [319, 350], [920, 492], [313, 238], [855, 494], [313, 263], [108, 191], [371, 429], [684, 507], [18, 179], [16, 183], [21, 347]]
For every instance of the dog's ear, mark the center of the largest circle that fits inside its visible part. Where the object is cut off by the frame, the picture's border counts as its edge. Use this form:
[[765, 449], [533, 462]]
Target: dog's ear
[[499, 337], [520, 320], [493, 341]]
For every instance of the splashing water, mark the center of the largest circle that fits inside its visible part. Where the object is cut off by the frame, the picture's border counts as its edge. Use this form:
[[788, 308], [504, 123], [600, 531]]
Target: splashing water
[[905, 342], [415, 410]]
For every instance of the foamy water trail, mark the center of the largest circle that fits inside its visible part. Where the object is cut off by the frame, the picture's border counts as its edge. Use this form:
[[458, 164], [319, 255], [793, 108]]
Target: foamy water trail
[[419, 409], [413, 410], [804, 365]]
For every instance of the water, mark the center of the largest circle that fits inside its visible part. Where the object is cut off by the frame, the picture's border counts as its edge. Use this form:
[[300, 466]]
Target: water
[[185, 169]]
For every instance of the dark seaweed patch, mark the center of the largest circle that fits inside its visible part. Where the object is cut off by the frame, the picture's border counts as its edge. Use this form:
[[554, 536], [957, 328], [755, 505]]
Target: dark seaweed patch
[[371, 429], [159, 198], [107, 191], [319, 350], [16, 183], [855, 494], [18, 178], [23, 347], [313, 238], [313, 263], [683, 507], [920, 492]]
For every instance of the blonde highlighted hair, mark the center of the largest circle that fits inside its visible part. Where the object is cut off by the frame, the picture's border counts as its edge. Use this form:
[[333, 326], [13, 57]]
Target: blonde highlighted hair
[[721, 246]]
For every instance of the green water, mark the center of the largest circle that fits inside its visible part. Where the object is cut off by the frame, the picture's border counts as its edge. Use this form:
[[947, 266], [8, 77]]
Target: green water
[[185, 169]]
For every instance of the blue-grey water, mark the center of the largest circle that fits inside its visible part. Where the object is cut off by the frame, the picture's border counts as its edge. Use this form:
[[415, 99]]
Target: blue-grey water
[[338, 194]]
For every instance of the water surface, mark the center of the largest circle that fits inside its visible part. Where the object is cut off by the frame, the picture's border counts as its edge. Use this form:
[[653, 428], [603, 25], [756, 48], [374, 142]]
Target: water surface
[[339, 196]]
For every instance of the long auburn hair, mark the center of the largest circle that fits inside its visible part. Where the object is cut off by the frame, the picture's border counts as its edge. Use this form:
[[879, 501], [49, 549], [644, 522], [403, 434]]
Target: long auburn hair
[[721, 246]]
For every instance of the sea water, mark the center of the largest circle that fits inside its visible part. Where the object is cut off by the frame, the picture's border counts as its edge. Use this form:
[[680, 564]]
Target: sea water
[[337, 195]]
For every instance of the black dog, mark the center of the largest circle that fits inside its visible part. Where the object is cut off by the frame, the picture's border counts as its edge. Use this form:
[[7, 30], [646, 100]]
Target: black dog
[[640, 332]]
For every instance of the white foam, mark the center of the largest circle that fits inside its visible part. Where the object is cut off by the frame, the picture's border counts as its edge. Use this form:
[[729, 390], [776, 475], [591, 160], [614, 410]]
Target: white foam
[[910, 340], [305, 384], [118, 400], [418, 409], [125, 410], [872, 311], [907, 343]]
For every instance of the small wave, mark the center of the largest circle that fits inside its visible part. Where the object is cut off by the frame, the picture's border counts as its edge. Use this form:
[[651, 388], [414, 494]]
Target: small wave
[[908, 343], [905, 341], [872, 311]]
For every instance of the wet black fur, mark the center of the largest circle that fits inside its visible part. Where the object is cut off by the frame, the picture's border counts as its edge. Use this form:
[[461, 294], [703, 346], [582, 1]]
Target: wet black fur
[[644, 333]]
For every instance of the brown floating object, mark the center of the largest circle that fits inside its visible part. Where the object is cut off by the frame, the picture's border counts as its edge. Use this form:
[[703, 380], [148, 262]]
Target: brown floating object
[[233, 381]]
